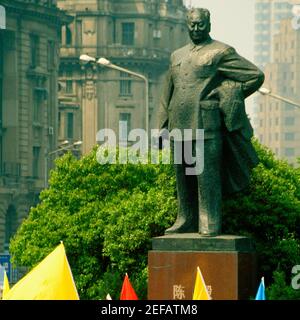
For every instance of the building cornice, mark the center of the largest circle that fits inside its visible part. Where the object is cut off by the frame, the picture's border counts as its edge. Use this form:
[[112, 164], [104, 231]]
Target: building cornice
[[125, 15], [38, 12]]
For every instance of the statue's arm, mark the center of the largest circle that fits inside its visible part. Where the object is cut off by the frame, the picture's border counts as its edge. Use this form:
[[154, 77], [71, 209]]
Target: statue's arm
[[238, 69], [165, 99]]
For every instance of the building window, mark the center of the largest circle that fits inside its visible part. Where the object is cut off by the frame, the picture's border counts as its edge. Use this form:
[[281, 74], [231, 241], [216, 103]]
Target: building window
[[69, 86], [68, 36], [38, 98], [289, 152], [289, 121], [70, 125], [285, 75], [79, 32], [171, 35], [114, 30], [69, 81], [34, 47], [128, 33], [276, 136], [10, 225], [125, 126], [292, 75], [125, 85], [289, 136], [51, 55], [35, 161]]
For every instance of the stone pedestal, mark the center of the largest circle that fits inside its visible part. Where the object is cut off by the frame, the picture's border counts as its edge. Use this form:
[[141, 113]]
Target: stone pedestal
[[228, 265]]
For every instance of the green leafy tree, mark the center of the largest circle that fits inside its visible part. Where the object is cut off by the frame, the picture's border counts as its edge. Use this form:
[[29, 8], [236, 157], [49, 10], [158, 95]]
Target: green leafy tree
[[269, 212], [107, 214]]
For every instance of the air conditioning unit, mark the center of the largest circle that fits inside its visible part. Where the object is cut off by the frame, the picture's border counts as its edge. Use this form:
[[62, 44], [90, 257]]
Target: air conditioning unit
[[51, 131]]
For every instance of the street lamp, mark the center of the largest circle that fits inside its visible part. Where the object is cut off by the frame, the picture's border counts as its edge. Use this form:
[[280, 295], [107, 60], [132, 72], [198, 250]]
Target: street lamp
[[63, 146], [106, 63], [268, 92], [86, 59]]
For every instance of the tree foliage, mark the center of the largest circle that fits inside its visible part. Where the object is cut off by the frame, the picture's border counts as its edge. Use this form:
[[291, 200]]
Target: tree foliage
[[269, 212], [107, 214]]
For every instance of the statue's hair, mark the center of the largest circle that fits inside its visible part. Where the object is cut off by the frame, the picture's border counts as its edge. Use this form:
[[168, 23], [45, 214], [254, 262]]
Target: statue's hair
[[202, 11]]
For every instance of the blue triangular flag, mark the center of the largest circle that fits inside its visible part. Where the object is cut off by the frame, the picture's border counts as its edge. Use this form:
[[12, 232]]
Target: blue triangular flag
[[261, 295]]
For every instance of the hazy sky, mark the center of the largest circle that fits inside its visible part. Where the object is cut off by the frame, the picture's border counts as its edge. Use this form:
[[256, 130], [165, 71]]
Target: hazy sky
[[232, 22]]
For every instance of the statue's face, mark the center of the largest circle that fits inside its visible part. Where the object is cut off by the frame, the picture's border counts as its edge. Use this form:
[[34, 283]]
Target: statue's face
[[199, 27]]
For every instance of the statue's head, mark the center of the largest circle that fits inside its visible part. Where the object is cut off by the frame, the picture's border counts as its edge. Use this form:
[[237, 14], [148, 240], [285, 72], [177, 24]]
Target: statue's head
[[198, 21]]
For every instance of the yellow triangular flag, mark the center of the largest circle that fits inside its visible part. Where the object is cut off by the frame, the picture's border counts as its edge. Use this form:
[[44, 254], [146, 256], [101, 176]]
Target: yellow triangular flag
[[51, 279], [200, 290], [5, 286], [108, 297]]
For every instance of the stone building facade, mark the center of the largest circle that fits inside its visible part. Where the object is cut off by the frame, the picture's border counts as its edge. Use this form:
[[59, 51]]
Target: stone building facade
[[29, 59], [136, 35]]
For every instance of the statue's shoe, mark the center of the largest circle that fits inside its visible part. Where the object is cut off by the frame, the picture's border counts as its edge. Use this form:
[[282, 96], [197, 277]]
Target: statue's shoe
[[209, 233], [184, 227]]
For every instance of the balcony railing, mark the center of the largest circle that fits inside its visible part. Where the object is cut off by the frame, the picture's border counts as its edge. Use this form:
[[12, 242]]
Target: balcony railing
[[11, 169], [118, 51]]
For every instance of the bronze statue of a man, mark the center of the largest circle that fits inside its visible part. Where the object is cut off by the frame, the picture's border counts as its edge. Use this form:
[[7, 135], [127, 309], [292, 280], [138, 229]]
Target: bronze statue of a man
[[206, 86]]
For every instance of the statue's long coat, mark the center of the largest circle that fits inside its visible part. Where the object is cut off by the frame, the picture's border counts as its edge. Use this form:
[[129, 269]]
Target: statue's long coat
[[205, 88]]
